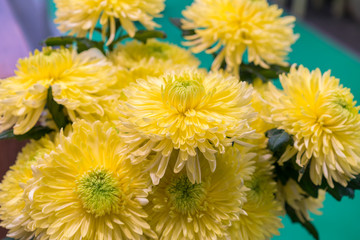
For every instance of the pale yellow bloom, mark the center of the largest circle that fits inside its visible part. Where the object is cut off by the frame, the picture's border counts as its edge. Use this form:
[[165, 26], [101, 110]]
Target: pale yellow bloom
[[86, 190], [262, 209], [81, 16], [136, 60], [12, 202], [234, 26], [299, 200], [190, 111], [179, 209], [324, 121], [80, 82]]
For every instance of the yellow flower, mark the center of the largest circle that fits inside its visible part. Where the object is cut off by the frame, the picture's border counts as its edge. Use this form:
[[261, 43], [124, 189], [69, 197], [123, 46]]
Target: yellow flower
[[12, 203], [299, 200], [262, 209], [324, 121], [136, 60], [86, 190], [179, 209], [234, 26], [81, 16], [80, 82], [195, 113]]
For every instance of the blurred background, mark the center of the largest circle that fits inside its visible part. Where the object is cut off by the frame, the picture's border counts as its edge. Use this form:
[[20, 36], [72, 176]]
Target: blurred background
[[329, 39]]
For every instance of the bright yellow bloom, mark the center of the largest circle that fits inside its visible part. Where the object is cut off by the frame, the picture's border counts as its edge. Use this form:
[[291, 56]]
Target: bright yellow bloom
[[12, 203], [80, 82], [299, 200], [262, 209], [196, 113], [234, 26], [136, 60], [86, 190], [81, 16], [324, 121], [179, 209]]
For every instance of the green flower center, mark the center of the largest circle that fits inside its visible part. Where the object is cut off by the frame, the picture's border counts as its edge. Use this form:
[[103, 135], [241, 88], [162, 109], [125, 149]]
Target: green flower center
[[157, 51], [185, 196], [344, 104], [183, 93], [99, 192]]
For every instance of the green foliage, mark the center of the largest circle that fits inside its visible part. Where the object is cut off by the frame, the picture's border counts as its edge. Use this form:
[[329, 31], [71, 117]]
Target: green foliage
[[36, 133], [306, 224], [250, 71], [141, 35], [82, 44], [278, 141], [57, 111], [177, 23]]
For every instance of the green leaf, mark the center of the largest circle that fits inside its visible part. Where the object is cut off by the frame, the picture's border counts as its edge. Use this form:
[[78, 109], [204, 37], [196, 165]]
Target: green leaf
[[141, 35], [36, 133], [57, 111], [83, 44], [177, 23], [339, 191], [307, 225], [278, 141], [144, 35], [250, 71]]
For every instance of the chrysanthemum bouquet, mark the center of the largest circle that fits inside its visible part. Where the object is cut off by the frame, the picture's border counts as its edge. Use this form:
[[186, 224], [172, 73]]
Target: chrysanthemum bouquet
[[131, 140]]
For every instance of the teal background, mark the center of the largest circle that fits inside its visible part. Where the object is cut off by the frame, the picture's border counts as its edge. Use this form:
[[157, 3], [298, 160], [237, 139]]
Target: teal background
[[339, 219]]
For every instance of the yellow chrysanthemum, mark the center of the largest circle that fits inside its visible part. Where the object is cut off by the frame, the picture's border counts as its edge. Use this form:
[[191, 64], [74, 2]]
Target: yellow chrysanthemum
[[86, 190], [299, 200], [234, 26], [196, 113], [324, 121], [81, 16], [262, 209], [12, 202], [136, 60], [80, 82], [179, 209]]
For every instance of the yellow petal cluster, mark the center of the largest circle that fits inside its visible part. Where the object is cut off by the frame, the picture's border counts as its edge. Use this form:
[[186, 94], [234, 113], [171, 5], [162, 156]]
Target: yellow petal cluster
[[86, 190], [80, 82], [179, 209], [261, 220], [292, 194], [135, 60], [80, 17], [230, 27], [12, 201], [324, 120], [197, 113]]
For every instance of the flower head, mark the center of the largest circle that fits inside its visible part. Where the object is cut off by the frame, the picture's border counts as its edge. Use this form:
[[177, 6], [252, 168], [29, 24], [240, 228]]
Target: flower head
[[261, 220], [324, 121], [233, 26], [81, 16], [12, 202], [179, 209], [80, 82], [86, 190], [136, 60], [189, 111]]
